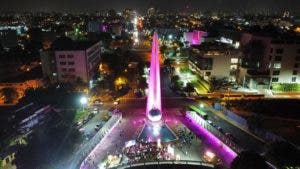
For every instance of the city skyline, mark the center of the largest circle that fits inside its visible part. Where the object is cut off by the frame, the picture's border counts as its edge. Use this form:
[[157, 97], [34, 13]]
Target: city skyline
[[268, 6], [195, 84]]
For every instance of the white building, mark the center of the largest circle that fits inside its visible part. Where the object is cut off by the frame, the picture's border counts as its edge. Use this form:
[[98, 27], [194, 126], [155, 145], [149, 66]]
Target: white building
[[281, 59], [215, 60], [284, 62], [71, 60], [80, 62], [195, 37]]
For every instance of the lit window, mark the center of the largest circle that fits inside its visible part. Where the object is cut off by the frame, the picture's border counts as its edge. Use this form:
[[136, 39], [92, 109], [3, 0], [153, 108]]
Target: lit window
[[234, 60], [233, 67], [277, 65]]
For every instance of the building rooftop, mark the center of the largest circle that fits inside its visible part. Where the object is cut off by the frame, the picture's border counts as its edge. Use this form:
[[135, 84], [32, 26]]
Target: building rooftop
[[65, 43], [276, 36], [206, 46]]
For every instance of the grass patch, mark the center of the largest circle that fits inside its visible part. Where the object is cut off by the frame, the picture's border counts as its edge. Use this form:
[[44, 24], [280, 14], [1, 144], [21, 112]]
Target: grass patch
[[286, 87], [81, 114]]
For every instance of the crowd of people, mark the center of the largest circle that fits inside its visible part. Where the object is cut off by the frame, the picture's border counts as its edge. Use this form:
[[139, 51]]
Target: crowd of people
[[184, 136], [147, 151]]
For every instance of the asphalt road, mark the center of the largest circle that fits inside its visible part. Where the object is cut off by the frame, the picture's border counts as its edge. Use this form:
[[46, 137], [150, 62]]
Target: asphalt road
[[243, 139]]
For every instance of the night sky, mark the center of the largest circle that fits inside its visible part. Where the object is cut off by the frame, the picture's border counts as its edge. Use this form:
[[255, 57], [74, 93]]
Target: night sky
[[85, 5]]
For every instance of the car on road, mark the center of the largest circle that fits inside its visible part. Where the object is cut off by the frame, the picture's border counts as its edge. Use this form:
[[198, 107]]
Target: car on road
[[220, 130], [209, 122], [97, 128], [82, 130], [98, 102], [95, 110], [116, 102]]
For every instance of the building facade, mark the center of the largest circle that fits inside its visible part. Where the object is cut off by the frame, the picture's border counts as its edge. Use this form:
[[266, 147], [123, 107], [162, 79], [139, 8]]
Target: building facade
[[281, 59], [284, 62], [74, 64], [69, 60], [195, 37], [219, 61]]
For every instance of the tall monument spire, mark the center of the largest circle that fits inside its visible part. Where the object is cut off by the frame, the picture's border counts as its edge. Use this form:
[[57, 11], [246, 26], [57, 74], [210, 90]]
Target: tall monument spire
[[154, 91]]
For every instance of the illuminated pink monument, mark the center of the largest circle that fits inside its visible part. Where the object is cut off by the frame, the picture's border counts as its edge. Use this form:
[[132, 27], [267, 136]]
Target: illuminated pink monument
[[154, 92]]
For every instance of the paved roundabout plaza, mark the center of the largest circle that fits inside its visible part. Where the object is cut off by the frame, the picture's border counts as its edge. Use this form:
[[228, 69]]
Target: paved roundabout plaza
[[154, 134]]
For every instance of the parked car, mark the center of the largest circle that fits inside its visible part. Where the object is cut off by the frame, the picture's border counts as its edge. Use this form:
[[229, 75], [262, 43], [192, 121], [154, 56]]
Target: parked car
[[97, 128], [220, 130], [116, 102], [95, 110], [98, 102], [209, 122]]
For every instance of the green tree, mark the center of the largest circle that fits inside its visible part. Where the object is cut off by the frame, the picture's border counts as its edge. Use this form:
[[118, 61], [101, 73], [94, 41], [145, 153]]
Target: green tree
[[80, 85], [174, 79], [189, 88], [142, 83]]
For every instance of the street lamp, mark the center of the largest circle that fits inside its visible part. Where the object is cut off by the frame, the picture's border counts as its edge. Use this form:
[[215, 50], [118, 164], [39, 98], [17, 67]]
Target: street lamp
[[83, 101], [201, 105]]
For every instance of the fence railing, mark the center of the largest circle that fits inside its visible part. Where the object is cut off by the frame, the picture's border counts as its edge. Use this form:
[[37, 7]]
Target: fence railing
[[172, 162], [227, 141]]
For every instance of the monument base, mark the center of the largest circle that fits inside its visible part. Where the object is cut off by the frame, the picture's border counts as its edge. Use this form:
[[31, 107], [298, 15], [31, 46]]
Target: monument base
[[153, 131]]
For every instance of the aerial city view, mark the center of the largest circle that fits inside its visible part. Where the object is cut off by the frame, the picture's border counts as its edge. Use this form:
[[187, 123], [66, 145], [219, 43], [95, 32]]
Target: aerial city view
[[147, 84]]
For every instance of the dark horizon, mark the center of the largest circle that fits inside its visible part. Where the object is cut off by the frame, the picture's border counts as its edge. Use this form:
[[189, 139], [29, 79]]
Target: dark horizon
[[267, 6]]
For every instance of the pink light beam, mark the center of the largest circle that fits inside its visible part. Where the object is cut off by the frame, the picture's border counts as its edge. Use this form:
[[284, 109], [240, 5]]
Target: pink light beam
[[154, 91]]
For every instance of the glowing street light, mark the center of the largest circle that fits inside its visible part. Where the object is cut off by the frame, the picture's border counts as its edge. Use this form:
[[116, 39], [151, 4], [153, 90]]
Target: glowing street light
[[83, 100], [201, 105]]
